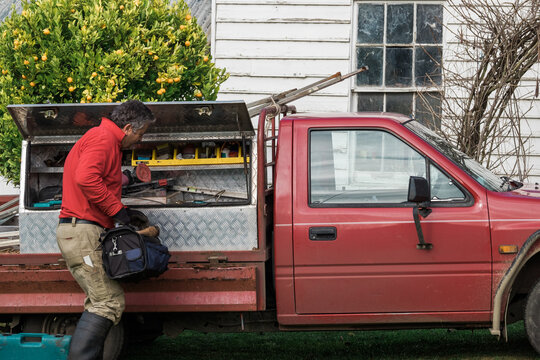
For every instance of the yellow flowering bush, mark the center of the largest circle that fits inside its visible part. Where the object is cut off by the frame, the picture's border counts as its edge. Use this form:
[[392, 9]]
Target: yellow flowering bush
[[66, 51]]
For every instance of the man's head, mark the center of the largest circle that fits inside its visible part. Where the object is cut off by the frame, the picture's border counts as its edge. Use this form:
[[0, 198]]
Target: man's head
[[133, 117]]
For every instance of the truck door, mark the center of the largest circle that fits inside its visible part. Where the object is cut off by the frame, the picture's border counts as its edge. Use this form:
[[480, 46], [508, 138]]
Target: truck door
[[354, 234]]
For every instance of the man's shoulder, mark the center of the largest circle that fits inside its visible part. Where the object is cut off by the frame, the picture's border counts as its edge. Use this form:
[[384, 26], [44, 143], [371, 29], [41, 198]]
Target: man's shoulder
[[96, 136], [99, 132]]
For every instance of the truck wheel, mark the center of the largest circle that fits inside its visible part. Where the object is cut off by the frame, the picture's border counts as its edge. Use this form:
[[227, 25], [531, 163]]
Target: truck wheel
[[532, 317], [142, 328]]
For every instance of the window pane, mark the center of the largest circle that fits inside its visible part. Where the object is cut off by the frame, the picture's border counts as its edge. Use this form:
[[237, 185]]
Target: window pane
[[428, 65], [442, 187], [372, 57], [370, 23], [361, 167], [399, 24], [370, 102], [398, 67], [399, 103], [429, 19], [428, 109]]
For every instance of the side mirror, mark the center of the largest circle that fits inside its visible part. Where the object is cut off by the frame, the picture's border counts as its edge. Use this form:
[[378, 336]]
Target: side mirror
[[418, 190], [419, 194]]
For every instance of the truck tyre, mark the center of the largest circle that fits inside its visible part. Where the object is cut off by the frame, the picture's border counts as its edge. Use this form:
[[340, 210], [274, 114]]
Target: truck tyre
[[532, 317]]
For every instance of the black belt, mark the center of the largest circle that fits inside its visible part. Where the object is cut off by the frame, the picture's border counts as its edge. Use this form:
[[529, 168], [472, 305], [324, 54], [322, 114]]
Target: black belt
[[77, 221]]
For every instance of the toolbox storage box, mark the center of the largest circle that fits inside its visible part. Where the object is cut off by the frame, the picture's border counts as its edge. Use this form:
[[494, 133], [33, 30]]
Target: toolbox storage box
[[201, 192], [34, 346], [203, 153]]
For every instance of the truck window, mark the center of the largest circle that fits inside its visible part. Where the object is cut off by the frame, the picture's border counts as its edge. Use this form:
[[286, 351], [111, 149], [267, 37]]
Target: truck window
[[369, 167], [476, 170], [443, 188]]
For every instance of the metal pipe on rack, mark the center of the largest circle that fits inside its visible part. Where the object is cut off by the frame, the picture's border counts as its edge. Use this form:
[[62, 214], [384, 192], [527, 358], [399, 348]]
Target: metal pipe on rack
[[255, 108]]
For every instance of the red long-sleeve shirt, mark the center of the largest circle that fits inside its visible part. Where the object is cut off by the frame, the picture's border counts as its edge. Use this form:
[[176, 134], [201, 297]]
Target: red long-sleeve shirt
[[92, 183]]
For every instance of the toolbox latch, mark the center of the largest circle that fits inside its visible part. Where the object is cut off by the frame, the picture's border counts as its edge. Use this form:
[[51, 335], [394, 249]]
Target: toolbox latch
[[215, 259]]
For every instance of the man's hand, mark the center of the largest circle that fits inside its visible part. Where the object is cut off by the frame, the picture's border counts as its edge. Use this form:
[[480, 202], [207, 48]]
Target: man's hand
[[137, 218], [122, 217]]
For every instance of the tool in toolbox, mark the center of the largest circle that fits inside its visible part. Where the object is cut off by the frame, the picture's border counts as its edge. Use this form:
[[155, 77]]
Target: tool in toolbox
[[48, 204], [32, 346], [212, 192], [137, 187]]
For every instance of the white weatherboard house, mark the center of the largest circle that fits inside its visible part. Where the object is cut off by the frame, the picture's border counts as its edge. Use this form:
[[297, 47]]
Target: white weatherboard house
[[269, 46]]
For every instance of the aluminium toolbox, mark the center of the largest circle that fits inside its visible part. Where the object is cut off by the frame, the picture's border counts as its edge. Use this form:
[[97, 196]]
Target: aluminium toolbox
[[29, 346], [202, 154]]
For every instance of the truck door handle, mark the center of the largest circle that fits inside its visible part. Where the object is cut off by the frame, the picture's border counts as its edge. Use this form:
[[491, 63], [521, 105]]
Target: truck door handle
[[327, 233]]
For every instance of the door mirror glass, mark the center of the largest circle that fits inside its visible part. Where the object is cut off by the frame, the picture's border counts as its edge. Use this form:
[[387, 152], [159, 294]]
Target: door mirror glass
[[418, 189]]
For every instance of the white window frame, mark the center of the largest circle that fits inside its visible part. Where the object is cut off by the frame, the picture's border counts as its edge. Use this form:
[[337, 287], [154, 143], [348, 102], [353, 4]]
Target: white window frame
[[356, 89]]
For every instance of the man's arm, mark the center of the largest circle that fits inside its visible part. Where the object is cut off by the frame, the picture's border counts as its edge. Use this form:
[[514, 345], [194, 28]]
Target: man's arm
[[90, 173]]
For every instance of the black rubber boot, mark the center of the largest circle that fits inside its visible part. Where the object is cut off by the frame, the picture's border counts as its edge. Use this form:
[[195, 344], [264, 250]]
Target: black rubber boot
[[89, 337]]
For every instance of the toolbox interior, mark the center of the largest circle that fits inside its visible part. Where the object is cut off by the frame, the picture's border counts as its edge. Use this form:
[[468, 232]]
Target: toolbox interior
[[171, 174]]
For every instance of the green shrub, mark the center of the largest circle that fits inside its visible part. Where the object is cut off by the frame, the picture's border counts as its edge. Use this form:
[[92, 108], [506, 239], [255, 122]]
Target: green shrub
[[65, 51]]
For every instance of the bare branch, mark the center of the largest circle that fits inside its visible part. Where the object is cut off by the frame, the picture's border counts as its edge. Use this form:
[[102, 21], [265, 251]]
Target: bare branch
[[481, 113]]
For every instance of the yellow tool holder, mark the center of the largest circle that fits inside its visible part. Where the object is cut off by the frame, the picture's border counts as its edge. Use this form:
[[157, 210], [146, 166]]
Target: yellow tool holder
[[218, 160]]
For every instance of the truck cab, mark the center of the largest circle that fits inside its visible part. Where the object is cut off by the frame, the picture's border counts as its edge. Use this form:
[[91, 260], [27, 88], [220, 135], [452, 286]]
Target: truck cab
[[349, 249]]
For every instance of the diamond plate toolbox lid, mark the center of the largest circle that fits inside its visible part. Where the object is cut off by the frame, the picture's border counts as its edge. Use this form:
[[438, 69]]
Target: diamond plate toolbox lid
[[173, 119]]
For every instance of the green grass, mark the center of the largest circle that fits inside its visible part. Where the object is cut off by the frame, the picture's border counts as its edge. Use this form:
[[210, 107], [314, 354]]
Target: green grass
[[327, 345]]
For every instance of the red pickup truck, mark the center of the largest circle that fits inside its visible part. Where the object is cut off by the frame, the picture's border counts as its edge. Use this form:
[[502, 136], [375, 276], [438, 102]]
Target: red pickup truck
[[364, 220]]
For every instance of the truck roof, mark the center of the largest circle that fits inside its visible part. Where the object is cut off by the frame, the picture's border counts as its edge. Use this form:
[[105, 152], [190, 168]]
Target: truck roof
[[400, 118]]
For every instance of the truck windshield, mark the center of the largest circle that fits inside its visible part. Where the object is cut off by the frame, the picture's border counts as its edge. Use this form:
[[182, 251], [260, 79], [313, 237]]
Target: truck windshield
[[482, 175]]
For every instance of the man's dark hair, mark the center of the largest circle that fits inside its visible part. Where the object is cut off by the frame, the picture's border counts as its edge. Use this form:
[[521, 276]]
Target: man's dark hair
[[132, 112]]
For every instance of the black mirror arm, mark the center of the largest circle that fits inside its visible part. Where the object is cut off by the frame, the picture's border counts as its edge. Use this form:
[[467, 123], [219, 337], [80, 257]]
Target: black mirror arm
[[421, 209]]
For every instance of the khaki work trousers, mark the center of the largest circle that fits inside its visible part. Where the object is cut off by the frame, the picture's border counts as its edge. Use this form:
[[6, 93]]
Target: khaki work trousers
[[79, 244]]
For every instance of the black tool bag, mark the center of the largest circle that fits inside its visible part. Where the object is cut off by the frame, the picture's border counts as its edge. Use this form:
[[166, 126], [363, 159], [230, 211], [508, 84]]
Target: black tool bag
[[129, 256]]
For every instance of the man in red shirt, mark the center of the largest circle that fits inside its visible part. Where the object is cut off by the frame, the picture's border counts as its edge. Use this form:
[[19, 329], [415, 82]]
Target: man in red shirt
[[92, 189]]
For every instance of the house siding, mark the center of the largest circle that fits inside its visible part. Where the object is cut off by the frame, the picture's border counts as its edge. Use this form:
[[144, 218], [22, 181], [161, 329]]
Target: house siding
[[275, 45], [272, 46]]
